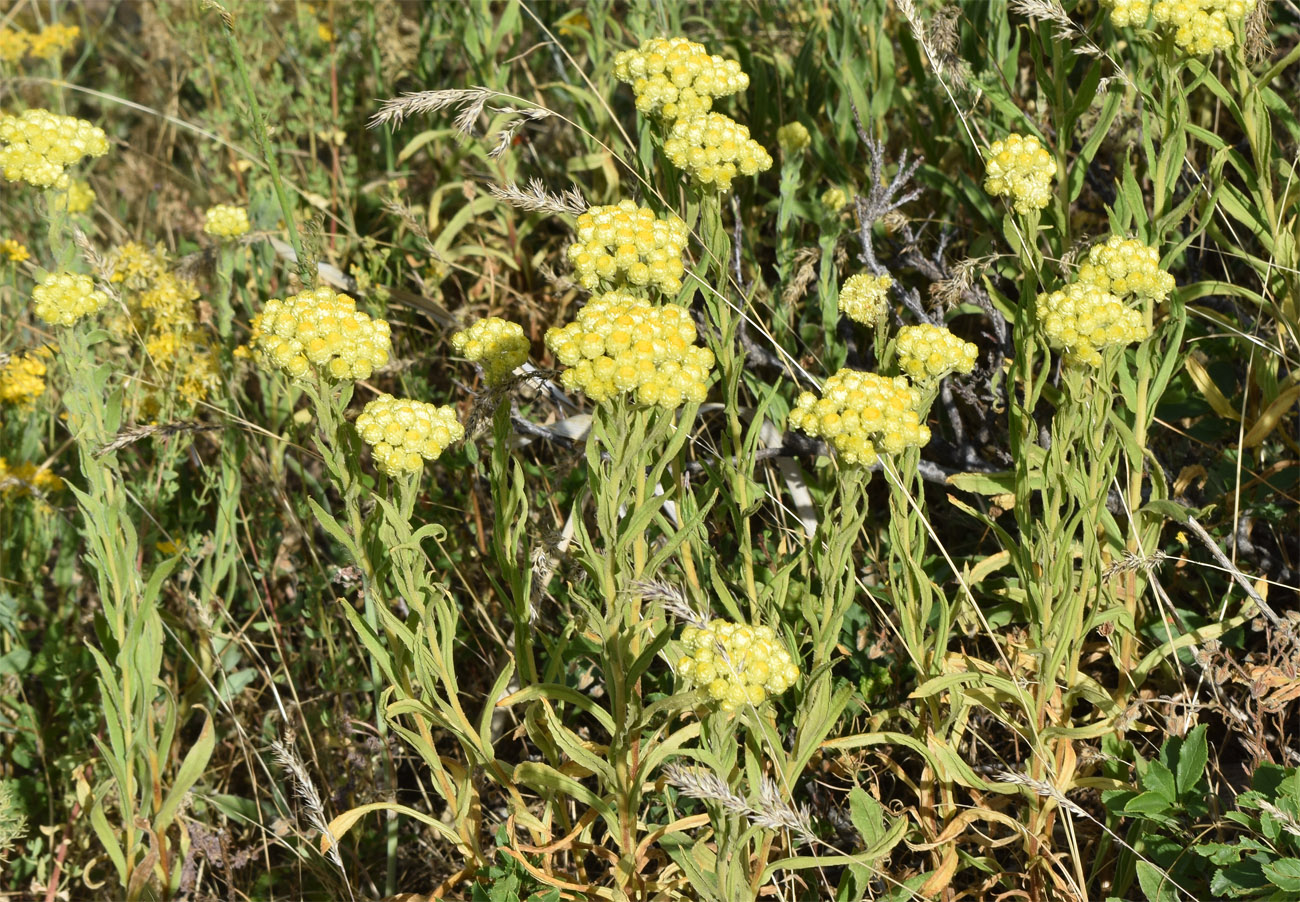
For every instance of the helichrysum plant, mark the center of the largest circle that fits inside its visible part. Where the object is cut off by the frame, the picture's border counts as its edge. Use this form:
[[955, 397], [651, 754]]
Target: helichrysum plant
[[14, 251], [620, 343], [403, 434], [712, 149], [77, 197], [793, 138], [63, 298], [674, 78], [864, 298], [226, 221], [1202, 26], [862, 415], [1126, 268], [625, 245], [22, 380], [927, 353], [735, 664], [324, 331], [1021, 169], [500, 347], [37, 146]]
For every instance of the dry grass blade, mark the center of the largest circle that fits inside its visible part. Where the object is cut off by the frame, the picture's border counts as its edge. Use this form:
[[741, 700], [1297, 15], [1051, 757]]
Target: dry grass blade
[[536, 199], [470, 101], [133, 435]]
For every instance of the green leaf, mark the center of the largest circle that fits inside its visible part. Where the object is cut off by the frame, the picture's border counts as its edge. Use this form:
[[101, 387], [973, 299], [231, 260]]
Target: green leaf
[[196, 759], [1156, 885], [1160, 779], [1149, 804], [1284, 874], [1191, 760]]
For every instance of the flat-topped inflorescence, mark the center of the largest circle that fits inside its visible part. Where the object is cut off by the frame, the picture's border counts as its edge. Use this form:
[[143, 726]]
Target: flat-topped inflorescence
[[1202, 26], [621, 343], [1020, 168], [736, 664], [22, 380], [62, 298], [927, 353], [675, 78], [864, 298], [226, 221], [712, 148], [321, 330], [623, 244], [39, 145], [494, 344], [1125, 267], [1082, 320], [403, 434], [863, 415]]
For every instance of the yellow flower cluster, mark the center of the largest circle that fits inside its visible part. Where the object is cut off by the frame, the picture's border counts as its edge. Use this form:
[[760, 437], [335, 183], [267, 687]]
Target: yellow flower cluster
[[404, 434], [674, 78], [16, 251], [1082, 319], [494, 344], [62, 298], [1126, 267], [135, 266], [1128, 12], [1202, 26], [22, 380], [19, 480], [792, 138], [862, 415], [1020, 168], [624, 244], [864, 298], [76, 198], [711, 148], [620, 343], [226, 221], [737, 665], [51, 42], [834, 199], [926, 353], [38, 145], [323, 330]]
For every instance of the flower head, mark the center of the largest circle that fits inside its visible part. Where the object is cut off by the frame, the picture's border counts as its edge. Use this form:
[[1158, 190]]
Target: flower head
[[736, 664], [77, 197], [62, 298], [321, 330], [1124, 13], [862, 415], [496, 345], [834, 199], [621, 343], [403, 434], [792, 138], [225, 221], [13, 45], [14, 251], [1020, 168], [1202, 26], [623, 245], [38, 145], [54, 40], [712, 148], [1127, 268], [1082, 320], [927, 353], [22, 380], [864, 298], [18, 480], [674, 78]]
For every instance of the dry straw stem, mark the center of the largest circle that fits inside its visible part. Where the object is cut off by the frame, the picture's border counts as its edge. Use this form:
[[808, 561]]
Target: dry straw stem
[[535, 198], [773, 813], [1052, 12], [135, 434]]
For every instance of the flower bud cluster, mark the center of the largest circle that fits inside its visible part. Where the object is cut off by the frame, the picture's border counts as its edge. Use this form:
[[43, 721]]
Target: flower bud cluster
[[792, 138], [1124, 13], [674, 78], [711, 148], [226, 221], [1125, 267], [927, 353], [620, 343], [1020, 168], [39, 145], [14, 251], [1083, 319], [494, 344], [76, 198], [19, 480], [736, 664], [404, 434], [623, 244], [62, 298], [53, 41], [864, 298], [834, 199], [322, 330], [863, 415], [22, 380], [1202, 26]]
